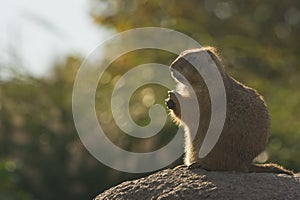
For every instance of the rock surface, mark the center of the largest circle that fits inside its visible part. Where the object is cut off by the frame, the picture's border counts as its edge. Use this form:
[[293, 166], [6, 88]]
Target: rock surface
[[182, 183]]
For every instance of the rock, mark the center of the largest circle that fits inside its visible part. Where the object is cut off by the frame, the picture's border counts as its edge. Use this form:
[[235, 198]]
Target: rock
[[182, 183]]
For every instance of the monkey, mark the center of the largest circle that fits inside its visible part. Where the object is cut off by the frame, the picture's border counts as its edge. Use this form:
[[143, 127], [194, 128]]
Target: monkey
[[246, 128]]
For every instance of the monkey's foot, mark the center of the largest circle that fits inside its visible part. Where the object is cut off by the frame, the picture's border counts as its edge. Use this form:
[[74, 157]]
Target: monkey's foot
[[179, 167], [195, 165]]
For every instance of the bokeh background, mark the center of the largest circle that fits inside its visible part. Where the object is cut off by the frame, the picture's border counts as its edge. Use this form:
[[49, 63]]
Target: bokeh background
[[41, 156]]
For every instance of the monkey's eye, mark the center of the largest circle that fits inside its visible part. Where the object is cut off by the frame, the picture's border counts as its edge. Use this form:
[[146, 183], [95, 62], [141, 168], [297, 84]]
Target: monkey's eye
[[178, 76]]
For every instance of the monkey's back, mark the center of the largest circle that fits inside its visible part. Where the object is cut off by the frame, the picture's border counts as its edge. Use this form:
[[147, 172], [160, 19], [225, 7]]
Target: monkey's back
[[245, 131]]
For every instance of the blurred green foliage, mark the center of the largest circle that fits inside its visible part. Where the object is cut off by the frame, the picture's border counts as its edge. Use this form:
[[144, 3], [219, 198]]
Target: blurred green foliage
[[41, 155]]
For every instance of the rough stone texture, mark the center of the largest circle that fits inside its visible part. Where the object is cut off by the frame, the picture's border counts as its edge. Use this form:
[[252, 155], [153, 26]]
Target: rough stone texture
[[182, 183]]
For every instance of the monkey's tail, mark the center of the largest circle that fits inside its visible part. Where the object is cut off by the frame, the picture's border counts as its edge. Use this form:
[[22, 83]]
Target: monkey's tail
[[269, 168]]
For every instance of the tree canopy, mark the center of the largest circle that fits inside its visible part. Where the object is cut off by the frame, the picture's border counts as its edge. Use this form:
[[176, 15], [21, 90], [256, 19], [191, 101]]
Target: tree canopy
[[41, 154]]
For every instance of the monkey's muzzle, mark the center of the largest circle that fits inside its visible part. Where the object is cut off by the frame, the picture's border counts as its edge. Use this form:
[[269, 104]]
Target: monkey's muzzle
[[170, 104], [173, 104], [170, 101]]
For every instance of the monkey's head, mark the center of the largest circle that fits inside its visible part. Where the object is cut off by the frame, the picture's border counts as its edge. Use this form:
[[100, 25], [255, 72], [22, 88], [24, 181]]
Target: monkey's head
[[187, 71]]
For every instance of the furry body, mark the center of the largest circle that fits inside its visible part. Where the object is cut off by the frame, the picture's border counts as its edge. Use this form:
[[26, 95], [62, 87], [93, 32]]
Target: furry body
[[246, 129]]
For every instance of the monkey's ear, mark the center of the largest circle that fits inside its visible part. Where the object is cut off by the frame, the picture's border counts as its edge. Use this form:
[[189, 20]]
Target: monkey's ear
[[212, 51], [214, 55]]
